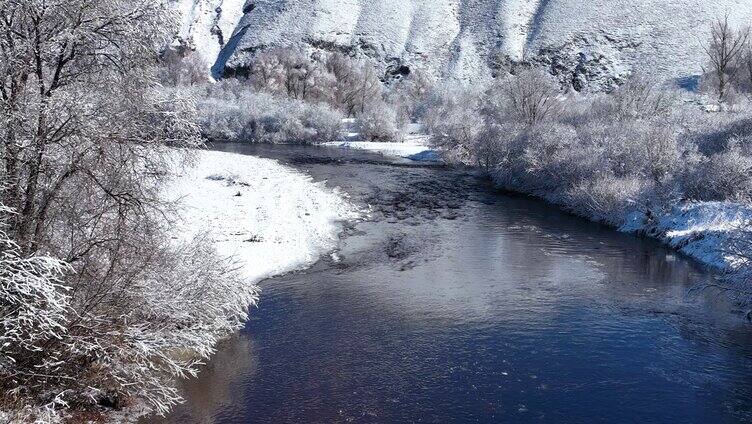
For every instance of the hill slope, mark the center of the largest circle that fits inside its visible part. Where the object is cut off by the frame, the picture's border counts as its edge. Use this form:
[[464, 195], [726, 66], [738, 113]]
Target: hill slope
[[206, 25], [592, 43]]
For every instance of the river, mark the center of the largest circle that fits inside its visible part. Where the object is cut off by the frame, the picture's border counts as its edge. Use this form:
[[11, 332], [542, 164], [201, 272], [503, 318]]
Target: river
[[458, 303]]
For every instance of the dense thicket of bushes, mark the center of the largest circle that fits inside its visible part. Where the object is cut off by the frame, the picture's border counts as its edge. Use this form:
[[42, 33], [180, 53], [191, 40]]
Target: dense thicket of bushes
[[642, 147], [292, 96], [628, 158], [639, 148], [230, 111]]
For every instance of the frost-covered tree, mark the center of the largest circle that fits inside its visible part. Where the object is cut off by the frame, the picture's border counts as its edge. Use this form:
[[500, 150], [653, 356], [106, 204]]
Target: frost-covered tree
[[639, 97], [34, 311], [300, 73], [286, 71], [725, 175], [724, 49], [344, 83], [86, 133], [292, 73], [356, 84], [267, 71], [183, 67], [230, 110], [379, 124], [77, 87], [531, 96], [409, 96], [745, 74], [453, 118]]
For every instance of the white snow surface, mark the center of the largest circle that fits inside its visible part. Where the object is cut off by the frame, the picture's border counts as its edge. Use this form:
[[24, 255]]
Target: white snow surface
[[663, 37], [414, 146], [206, 25], [460, 38], [465, 39], [702, 230], [416, 149], [270, 218]]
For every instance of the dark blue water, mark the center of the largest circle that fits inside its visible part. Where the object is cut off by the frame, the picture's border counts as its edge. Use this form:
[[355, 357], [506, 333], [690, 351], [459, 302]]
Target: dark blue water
[[456, 303]]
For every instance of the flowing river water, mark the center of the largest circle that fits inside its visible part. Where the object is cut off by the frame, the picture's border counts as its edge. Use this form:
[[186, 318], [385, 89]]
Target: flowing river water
[[458, 303]]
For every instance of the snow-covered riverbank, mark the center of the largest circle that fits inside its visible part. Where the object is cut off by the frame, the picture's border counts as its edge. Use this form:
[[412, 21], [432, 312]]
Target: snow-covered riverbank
[[267, 218], [718, 234], [714, 233], [273, 219], [270, 218]]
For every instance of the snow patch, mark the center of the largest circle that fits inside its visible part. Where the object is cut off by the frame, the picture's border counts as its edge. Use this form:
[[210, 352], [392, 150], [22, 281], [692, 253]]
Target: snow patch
[[415, 145], [417, 150], [702, 230], [269, 217]]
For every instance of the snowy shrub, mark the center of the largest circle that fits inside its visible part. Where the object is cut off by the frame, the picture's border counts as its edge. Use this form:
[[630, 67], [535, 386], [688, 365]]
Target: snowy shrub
[[292, 96], [379, 123], [221, 121], [34, 311], [646, 148], [410, 96], [531, 97], [552, 159], [608, 199], [600, 154], [326, 122], [347, 84], [638, 98], [232, 112], [288, 71], [726, 175], [494, 147], [183, 68], [176, 311], [712, 133], [744, 73], [453, 119]]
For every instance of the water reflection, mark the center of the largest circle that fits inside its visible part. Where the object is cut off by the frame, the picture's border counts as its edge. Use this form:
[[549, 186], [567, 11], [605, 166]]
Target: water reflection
[[215, 388]]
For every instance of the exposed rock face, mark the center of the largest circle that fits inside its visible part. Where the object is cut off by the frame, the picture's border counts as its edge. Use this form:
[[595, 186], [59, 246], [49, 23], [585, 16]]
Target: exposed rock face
[[595, 63], [589, 44]]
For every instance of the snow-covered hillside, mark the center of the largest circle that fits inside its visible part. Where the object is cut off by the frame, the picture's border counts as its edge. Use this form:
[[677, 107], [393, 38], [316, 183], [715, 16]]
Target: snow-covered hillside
[[658, 37], [590, 42], [206, 25]]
